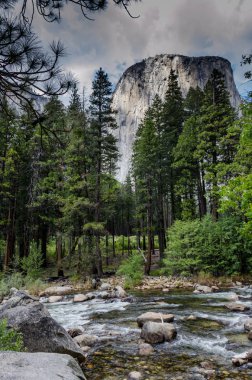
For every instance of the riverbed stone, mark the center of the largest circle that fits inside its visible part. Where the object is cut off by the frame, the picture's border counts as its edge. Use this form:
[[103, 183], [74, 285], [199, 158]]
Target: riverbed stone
[[235, 306], [154, 317], [243, 358], [41, 333], [203, 289], [53, 299], [86, 340], [134, 375], [75, 331], [39, 366], [191, 318], [57, 291], [154, 332], [80, 298], [145, 349], [120, 292], [215, 288], [248, 324], [105, 286]]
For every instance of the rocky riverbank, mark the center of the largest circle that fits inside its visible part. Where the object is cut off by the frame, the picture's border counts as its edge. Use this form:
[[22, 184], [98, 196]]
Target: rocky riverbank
[[141, 334]]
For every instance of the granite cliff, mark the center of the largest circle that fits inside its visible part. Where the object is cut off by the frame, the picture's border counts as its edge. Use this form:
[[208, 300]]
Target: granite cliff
[[139, 84]]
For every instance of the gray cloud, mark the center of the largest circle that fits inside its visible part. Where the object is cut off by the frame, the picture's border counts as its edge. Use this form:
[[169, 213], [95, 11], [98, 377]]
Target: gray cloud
[[115, 41]]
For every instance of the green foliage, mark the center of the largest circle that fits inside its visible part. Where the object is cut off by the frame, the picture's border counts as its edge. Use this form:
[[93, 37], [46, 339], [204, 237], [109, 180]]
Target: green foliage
[[184, 248], [14, 280], [132, 269], [204, 245], [32, 264], [10, 339], [237, 199]]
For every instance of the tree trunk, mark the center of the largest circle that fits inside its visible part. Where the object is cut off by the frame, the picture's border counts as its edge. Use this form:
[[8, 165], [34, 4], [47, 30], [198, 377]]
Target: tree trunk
[[10, 236], [59, 254], [44, 235]]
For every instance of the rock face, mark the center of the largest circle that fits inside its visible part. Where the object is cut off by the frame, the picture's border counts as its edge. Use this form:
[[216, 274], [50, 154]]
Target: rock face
[[40, 331], [141, 82], [39, 366]]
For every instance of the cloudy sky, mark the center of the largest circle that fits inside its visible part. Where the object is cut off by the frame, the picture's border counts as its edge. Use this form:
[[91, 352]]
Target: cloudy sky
[[115, 41]]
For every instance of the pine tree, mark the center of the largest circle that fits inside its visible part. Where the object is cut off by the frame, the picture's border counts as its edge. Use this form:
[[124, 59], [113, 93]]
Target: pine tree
[[173, 117], [190, 185], [145, 160], [104, 150], [216, 115]]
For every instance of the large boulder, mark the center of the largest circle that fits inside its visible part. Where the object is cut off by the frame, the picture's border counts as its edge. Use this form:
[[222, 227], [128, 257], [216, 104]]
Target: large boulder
[[154, 332], [235, 306], [57, 291], [154, 317], [39, 366], [41, 333]]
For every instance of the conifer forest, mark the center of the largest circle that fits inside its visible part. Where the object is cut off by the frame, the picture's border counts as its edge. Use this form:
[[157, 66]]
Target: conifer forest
[[125, 190]]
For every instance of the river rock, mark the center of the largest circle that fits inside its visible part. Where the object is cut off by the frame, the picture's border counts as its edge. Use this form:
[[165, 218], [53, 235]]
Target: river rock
[[243, 358], [75, 331], [191, 318], [120, 292], [203, 289], [86, 340], [134, 375], [248, 325], [56, 291], [235, 306], [154, 317], [41, 333], [53, 299], [154, 332], [105, 286], [215, 288], [39, 366], [104, 295], [145, 349], [80, 298]]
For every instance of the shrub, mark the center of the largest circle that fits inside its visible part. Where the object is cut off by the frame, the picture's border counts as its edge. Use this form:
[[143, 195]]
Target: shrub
[[132, 269], [10, 339], [34, 286], [32, 264], [14, 280], [212, 247], [183, 254]]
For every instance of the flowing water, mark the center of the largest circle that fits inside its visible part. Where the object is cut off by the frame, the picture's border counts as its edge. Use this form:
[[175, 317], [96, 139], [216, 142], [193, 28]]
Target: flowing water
[[215, 336]]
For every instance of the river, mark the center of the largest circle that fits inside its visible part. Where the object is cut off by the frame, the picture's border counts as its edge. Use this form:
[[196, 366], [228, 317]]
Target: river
[[215, 336]]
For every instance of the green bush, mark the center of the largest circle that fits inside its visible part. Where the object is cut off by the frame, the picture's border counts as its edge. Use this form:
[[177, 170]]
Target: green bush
[[183, 255], [10, 339], [14, 280], [32, 264], [132, 269], [212, 247]]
